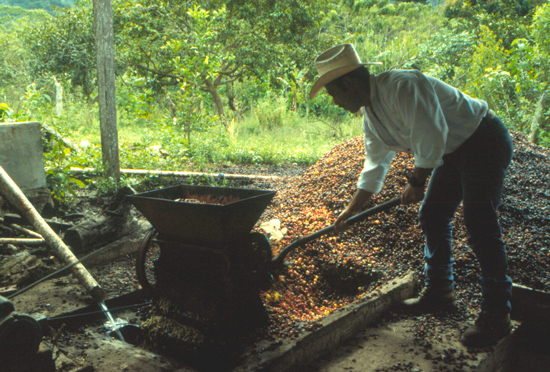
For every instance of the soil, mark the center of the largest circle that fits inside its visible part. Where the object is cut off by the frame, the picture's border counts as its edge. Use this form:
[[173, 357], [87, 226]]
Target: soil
[[396, 342]]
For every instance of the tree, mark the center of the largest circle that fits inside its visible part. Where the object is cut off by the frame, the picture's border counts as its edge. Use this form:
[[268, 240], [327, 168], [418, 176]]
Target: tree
[[103, 26], [206, 45], [64, 46], [212, 44], [15, 60], [508, 19]]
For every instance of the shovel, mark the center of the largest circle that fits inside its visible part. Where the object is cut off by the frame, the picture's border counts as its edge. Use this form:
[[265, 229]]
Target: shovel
[[278, 262]]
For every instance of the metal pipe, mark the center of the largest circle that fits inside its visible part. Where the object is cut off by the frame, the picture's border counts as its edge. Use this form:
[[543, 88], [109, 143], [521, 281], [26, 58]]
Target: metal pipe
[[147, 172]]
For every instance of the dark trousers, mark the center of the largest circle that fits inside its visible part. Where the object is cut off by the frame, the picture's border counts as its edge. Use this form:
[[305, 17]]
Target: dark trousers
[[474, 175]]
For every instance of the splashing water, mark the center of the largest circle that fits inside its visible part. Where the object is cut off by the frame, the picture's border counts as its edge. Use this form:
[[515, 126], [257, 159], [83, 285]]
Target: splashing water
[[110, 318]]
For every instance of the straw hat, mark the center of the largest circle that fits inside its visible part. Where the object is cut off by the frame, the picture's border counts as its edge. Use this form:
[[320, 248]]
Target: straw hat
[[335, 62]]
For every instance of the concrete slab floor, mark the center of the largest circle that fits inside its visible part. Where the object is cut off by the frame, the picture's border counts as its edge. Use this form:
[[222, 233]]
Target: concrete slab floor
[[390, 346]]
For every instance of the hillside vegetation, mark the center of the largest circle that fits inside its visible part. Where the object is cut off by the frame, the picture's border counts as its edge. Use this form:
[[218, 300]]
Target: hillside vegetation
[[226, 81], [48, 5]]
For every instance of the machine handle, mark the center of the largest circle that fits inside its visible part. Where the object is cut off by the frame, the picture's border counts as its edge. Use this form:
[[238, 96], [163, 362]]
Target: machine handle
[[278, 261]]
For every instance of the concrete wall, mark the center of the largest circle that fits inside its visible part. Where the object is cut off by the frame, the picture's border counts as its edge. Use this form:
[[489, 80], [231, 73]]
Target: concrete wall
[[21, 154]]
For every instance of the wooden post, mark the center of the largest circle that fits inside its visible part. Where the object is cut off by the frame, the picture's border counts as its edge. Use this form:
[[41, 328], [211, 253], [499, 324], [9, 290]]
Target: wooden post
[[105, 50], [15, 196]]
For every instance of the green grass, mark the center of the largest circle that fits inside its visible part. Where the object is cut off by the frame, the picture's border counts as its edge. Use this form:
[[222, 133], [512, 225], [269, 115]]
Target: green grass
[[155, 143]]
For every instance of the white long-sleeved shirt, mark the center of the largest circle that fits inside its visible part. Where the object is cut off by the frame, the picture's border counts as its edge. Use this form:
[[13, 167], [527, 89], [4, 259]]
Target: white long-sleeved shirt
[[415, 113]]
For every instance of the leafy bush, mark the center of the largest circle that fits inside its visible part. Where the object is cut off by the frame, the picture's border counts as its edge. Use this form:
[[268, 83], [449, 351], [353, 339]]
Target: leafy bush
[[484, 71], [540, 29], [4, 112], [58, 160], [35, 102], [134, 96]]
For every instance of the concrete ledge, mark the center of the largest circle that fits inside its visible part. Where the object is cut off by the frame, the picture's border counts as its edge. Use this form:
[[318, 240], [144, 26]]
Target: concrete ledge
[[328, 332], [21, 154]]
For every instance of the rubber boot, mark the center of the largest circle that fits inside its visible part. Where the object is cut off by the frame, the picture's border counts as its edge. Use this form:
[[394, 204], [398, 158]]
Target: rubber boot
[[431, 301], [487, 330]]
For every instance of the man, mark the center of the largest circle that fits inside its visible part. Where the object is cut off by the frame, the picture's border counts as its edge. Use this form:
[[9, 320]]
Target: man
[[464, 150]]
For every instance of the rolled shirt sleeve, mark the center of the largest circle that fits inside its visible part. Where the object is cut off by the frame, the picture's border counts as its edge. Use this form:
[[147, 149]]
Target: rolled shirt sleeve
[[378, 159]]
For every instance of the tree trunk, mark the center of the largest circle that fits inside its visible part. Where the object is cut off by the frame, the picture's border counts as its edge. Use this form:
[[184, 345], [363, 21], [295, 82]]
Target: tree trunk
[[216, 98], [231, 99], [103, 23]]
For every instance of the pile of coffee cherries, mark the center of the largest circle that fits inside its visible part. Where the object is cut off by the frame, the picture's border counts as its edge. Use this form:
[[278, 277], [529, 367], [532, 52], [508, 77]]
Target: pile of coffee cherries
[[338, 269]]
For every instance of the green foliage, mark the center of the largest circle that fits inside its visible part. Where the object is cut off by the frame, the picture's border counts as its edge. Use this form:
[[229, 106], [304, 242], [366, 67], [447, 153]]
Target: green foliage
[[363, 4], [392, 33], [15, 58], [48, 5], [509, 19], [442, 54], [540, 29], [12, 65], [134, 96], [109, 186], [58, 160], [485, 70], [34, 101], [106, 186], [64, 46], [268, 116], [14, 16], [188, 113], [211, 44], [202, 45], [181, 64], [507, 66], [4, 112]]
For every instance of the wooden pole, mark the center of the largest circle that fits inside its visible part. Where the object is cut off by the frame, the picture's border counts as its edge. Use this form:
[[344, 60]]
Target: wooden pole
[[105, 50], [15, 196]]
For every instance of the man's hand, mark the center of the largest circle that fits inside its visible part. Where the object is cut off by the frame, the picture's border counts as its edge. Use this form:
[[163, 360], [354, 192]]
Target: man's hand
[[414, 192], [340, 223], [412, 195], [355, 205]]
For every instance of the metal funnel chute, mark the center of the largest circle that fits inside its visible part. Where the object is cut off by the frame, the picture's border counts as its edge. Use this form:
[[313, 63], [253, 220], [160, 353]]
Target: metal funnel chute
[[203, 214]]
